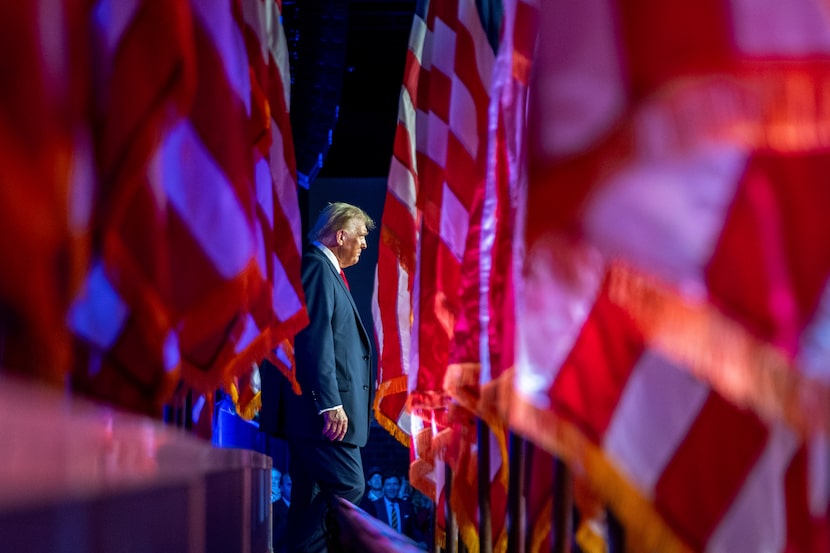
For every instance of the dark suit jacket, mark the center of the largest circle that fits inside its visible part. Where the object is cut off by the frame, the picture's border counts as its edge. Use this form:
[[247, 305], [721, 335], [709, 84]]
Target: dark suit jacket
[[407, 521], [333, 356], [280, 513]]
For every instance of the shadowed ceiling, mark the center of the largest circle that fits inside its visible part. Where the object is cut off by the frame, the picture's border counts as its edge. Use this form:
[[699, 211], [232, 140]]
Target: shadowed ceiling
[[347, 68]]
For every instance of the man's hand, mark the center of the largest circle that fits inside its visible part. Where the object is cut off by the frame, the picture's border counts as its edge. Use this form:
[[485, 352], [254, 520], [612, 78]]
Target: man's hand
[[335, 424]]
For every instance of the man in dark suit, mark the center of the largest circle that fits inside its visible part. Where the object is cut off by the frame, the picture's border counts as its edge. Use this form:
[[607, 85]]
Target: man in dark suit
[[279, 510], [396, 512], [329, 422]]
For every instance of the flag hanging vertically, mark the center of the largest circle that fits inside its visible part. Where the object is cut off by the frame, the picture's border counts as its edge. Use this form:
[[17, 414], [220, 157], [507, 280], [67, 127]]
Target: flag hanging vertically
[[199, 262], [127, 352], [395, 273], [481, 357], [279, 311], [437, 171]]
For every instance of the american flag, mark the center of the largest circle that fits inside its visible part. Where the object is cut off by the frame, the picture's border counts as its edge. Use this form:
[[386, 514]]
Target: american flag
[[281, 310], [479, 375], [698, 161], [675, 278], [437, 171], [196, 284], [395, 273], [143, 88]]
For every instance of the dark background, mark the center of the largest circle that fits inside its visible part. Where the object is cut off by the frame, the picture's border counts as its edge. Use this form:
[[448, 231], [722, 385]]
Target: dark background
[[347, 63]]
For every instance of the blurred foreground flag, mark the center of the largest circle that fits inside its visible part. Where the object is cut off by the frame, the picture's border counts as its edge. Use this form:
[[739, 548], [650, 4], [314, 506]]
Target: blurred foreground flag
[[673, 305], [479, 373], [198, 268], [278, 309], [46, 181], [691, 145], [150, 229], [143, 85], [681, 467]]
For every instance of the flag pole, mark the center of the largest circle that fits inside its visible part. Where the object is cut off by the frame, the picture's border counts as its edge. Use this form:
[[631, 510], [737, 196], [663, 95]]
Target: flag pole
[[516, 517], [562, 508], [449, 515], [485, 524]]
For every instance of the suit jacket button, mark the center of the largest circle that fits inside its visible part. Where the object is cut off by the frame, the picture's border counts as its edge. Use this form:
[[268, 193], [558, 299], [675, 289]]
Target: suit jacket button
[[365, 386], [365, 357]]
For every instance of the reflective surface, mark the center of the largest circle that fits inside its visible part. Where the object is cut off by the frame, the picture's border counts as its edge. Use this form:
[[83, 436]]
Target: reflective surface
[[78, 476]]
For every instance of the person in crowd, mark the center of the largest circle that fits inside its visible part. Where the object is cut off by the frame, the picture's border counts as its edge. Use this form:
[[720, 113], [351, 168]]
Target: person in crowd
[[395, 512], [406, 489], [279, 510], [333, 357], [424, 515], [374, 485], [275, 484]]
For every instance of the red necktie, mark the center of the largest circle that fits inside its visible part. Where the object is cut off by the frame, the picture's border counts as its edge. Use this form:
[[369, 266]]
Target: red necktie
[[346, 282]]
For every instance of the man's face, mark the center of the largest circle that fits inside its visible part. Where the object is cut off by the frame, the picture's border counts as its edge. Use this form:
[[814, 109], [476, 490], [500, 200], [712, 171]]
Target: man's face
[[351, 241], [275, 485], [376, 482], [285, 486], [391, 487]]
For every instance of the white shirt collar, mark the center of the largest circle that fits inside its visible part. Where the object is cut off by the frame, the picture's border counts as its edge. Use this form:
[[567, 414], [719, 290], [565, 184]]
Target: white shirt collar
[[329, 254]]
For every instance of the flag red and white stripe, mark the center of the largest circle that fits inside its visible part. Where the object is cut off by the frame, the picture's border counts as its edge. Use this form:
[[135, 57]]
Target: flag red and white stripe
[[479, 374], [682, 468], [395, 273], [281, 304], [437, 172], [143, 87], [199, 262], [697, 157], [682, 148]]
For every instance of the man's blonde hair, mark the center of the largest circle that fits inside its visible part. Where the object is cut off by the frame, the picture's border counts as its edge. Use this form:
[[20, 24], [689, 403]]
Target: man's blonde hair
[[337, 216]]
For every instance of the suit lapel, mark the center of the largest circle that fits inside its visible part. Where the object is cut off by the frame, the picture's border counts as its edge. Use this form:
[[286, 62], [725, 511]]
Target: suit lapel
[[345, 291]]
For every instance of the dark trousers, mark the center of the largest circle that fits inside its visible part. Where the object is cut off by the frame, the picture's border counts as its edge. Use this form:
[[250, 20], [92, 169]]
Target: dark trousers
[[319, 472]]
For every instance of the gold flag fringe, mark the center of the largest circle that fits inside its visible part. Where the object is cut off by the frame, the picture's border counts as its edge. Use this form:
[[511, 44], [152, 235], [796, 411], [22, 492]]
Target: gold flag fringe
[[462, 382], [467, 530], [500, 543], [488, 401], [404, 253], [440, 538], [464, 463], [542, 527], [287, 370], [397, 385], [781, 107], [589, 540], [742, 368], [249, 410]]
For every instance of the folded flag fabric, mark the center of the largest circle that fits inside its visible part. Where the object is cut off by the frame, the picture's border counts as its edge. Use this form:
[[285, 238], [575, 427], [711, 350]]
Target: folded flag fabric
[[688, 146]]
